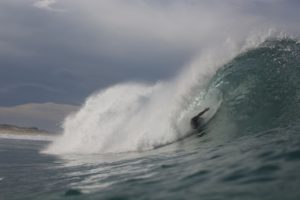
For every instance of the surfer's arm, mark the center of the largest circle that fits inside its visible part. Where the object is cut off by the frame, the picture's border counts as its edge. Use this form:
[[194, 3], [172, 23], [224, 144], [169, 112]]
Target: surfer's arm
[[204, 111]]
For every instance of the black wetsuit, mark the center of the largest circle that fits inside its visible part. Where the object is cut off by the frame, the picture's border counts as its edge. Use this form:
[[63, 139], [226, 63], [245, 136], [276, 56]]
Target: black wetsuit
[[197, 121]]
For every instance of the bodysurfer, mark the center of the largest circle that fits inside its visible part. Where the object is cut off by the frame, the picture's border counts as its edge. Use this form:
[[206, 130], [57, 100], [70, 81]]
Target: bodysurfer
[[196, 121]]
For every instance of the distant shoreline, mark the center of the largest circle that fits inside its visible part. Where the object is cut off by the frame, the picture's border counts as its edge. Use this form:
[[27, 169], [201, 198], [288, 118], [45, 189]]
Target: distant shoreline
[[19, 130]]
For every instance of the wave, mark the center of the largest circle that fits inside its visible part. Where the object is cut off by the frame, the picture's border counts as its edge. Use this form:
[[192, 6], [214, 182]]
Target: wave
[[255, 90]]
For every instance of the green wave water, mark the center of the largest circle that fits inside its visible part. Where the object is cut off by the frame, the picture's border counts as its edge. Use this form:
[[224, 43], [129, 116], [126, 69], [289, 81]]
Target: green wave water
[[261, 89]]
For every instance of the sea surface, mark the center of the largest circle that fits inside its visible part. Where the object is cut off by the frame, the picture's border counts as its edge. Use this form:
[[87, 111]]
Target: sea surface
[[249, 148]]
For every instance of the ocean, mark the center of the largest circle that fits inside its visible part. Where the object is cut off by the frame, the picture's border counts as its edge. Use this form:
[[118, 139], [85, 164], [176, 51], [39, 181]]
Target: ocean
[[139, 146]]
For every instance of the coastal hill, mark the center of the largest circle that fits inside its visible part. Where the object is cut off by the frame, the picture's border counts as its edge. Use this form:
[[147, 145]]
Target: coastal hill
[[13, 129]]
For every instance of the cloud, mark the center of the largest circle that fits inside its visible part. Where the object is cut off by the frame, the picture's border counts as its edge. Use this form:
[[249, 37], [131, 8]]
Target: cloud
[[140, 31], [46, 4]]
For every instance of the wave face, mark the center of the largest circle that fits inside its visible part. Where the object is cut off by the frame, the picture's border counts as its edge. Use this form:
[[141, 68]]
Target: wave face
[[261, 90], [256, 91]]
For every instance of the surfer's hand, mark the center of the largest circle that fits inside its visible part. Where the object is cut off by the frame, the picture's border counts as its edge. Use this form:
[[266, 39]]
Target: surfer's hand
[[206, 109]]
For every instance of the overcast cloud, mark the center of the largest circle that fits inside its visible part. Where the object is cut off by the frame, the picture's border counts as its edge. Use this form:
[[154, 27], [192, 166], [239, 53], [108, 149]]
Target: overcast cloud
[[62, 51]]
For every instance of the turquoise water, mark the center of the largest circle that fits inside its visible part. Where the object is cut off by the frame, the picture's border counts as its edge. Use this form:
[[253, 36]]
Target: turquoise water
[[250, 149]]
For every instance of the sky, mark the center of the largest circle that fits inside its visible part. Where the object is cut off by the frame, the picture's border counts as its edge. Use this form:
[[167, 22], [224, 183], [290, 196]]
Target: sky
[[55, 53]]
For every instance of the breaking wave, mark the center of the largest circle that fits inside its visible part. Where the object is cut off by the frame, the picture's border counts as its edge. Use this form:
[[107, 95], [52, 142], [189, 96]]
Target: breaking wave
[[251, 89]]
